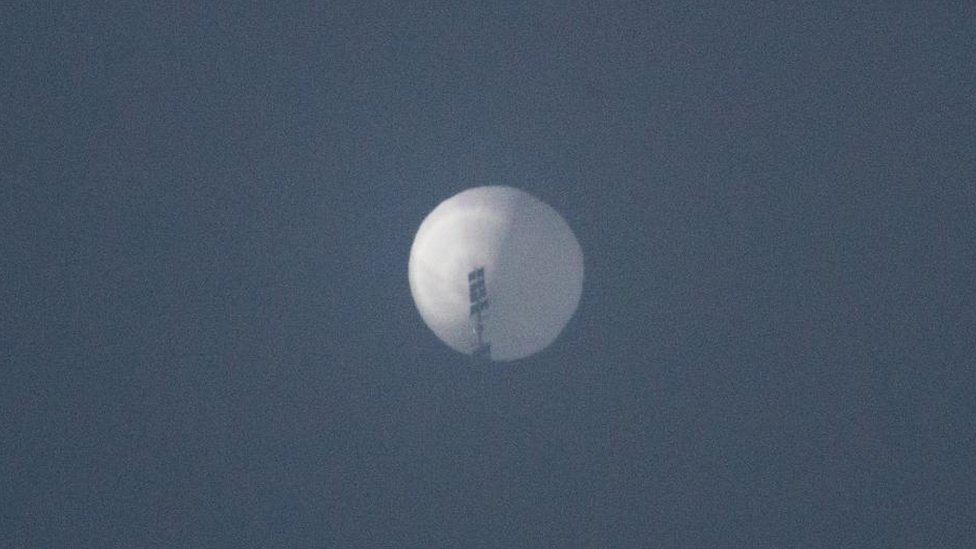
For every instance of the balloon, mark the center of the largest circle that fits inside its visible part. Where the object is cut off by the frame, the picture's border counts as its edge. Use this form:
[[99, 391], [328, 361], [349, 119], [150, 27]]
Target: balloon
[[496, 272]]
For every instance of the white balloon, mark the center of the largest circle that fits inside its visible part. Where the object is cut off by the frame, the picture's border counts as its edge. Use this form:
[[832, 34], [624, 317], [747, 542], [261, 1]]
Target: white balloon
[[533, 271]]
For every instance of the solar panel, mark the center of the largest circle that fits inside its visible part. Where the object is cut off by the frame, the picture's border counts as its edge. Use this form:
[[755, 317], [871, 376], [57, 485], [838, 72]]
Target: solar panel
[[478, 295]]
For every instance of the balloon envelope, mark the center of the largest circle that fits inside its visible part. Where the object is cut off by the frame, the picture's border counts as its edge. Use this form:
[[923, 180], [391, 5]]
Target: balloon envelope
[[533, 271]]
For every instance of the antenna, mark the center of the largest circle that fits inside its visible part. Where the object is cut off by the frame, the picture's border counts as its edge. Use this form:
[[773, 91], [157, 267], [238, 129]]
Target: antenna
[[479, 305]]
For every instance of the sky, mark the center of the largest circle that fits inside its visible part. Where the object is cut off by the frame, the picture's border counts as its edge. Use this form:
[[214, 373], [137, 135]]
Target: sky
[[208, 338]]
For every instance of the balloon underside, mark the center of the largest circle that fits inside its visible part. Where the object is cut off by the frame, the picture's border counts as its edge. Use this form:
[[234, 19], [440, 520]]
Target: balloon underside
[[533, 271]]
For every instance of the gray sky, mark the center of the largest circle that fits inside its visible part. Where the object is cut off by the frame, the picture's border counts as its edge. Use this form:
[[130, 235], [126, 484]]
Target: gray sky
[[208, 338]]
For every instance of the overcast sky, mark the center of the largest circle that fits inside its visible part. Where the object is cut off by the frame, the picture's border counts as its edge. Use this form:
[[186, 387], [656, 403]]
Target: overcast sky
[[206, 331]]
